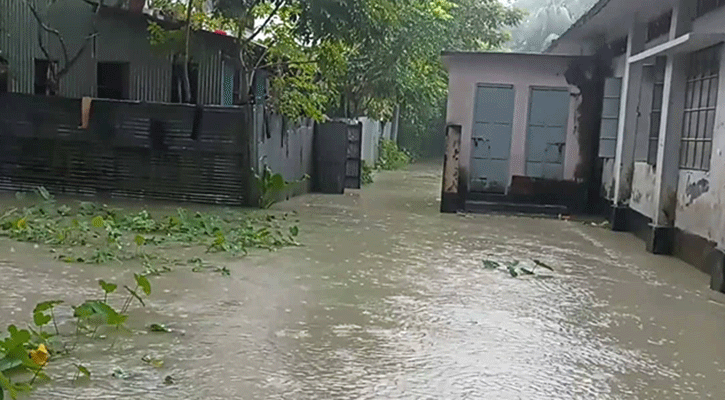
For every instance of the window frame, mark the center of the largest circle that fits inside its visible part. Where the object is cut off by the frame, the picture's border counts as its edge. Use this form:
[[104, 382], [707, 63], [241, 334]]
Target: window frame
[[696, 144], [655, 115]]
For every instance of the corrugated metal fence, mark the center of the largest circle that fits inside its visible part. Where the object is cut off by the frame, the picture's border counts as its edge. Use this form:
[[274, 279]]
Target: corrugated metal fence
[[139, 150]]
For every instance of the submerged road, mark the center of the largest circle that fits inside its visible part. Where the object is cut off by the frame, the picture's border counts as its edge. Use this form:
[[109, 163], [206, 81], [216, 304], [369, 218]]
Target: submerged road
[[389, 299]]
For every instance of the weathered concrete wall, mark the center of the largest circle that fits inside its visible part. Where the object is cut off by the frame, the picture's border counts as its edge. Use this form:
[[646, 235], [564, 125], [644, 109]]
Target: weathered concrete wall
[[642, 199], [608, 179], [709, 23], [523, 71], [701, 194]]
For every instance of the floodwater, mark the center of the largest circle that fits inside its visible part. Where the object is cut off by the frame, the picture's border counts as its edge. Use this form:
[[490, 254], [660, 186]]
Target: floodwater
[[388, 299]]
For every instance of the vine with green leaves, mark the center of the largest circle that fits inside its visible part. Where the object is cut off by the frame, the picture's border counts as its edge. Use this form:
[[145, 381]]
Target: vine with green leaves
[[25, 353]]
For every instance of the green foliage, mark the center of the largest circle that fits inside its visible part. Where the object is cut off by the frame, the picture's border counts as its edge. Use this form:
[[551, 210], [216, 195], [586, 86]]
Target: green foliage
[[27, 350], [515, 268], [367, 172], [104, 234], [545, 21], [391, 157], [271, 185]]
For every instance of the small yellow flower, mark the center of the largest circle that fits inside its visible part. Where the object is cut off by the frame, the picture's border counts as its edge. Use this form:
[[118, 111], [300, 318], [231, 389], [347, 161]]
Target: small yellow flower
[[40, 356]]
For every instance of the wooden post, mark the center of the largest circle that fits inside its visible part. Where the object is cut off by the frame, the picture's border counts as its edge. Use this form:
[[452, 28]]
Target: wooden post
[[450, 197]]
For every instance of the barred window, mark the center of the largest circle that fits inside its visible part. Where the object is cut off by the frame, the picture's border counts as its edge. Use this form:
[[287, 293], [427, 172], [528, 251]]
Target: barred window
[[705, 6], [699, 112], [656, 112], [659, 26]]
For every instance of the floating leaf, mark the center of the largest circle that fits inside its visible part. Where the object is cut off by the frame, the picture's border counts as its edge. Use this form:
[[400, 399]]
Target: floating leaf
[[99, 309], [18, 337], [7, 363], [98, 222], [140, 241], [46, 305], [526, 271], [294, 230], [543, 265], [159, 328], [6, 385], [156, 362], [143, 283], [119, 373], [41, 319], [108, 288], [64, 210], [83, 370]]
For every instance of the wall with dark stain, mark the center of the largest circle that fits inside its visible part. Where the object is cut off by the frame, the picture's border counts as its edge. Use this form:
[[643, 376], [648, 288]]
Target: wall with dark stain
[[642, 198], [700, 197], [523, 71], [588, 74]]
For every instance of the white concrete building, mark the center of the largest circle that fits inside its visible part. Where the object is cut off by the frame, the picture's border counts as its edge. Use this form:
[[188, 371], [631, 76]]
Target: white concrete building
[[656, 67], [663, 126]]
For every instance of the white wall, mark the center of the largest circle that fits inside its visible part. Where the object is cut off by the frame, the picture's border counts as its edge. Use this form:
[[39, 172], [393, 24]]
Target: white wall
[[642, 199], [372, 132], [701, 194], [523, 71]]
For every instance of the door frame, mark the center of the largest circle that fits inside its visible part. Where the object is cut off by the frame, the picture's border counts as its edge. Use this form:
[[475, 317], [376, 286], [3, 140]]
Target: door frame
[[473, 124], [532, 88]]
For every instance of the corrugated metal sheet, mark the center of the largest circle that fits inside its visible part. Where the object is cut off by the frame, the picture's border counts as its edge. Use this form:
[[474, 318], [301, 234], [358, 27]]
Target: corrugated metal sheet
[[130, 149], [122, 37], [18, 38]]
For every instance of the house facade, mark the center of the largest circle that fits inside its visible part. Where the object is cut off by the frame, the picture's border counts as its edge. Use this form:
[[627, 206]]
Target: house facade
[[118, 61], [525, 131], [646, 93], [663, 126]]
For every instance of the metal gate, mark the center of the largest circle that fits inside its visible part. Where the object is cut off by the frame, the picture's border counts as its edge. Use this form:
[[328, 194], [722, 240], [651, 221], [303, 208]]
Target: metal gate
[[546, 139], [353, 165], [491, 138]]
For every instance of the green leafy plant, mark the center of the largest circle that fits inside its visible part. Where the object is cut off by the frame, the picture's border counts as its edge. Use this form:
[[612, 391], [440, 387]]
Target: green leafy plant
[[367, 171], [270, 186], [30, 350], [391, 157], [100, 234], [515, 269]]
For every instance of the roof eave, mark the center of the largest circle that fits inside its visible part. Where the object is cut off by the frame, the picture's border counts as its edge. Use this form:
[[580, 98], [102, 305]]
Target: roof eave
[[596, 9]]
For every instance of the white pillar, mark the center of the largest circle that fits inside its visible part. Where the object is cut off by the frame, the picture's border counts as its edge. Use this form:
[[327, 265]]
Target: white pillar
[[626, 135], [668, 144]]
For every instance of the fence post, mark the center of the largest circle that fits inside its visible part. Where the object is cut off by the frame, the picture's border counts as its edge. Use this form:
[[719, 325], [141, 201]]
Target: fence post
[[450, 198]]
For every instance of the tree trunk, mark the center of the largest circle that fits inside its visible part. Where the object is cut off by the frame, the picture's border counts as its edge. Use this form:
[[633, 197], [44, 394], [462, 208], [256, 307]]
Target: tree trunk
[[187, 83]]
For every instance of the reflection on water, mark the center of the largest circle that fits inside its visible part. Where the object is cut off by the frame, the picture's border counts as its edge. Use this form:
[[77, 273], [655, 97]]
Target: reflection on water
[[387, 299]]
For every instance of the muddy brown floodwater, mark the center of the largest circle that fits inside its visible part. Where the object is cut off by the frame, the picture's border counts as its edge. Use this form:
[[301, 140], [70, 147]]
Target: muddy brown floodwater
[[388, 299]]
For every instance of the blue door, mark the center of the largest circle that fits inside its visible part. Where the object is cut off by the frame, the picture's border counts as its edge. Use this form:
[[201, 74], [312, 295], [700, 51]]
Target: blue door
[[546, 139], [491, 138]]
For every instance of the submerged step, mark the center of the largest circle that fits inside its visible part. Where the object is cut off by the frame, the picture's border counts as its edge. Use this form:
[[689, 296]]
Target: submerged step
[[515, 208]]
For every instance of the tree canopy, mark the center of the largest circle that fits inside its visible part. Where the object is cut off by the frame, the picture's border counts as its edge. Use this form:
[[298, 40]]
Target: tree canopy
[[546, 20], [348, 58]]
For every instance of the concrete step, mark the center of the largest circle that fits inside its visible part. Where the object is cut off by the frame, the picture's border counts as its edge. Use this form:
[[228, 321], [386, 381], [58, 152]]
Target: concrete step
[[477, 206]]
